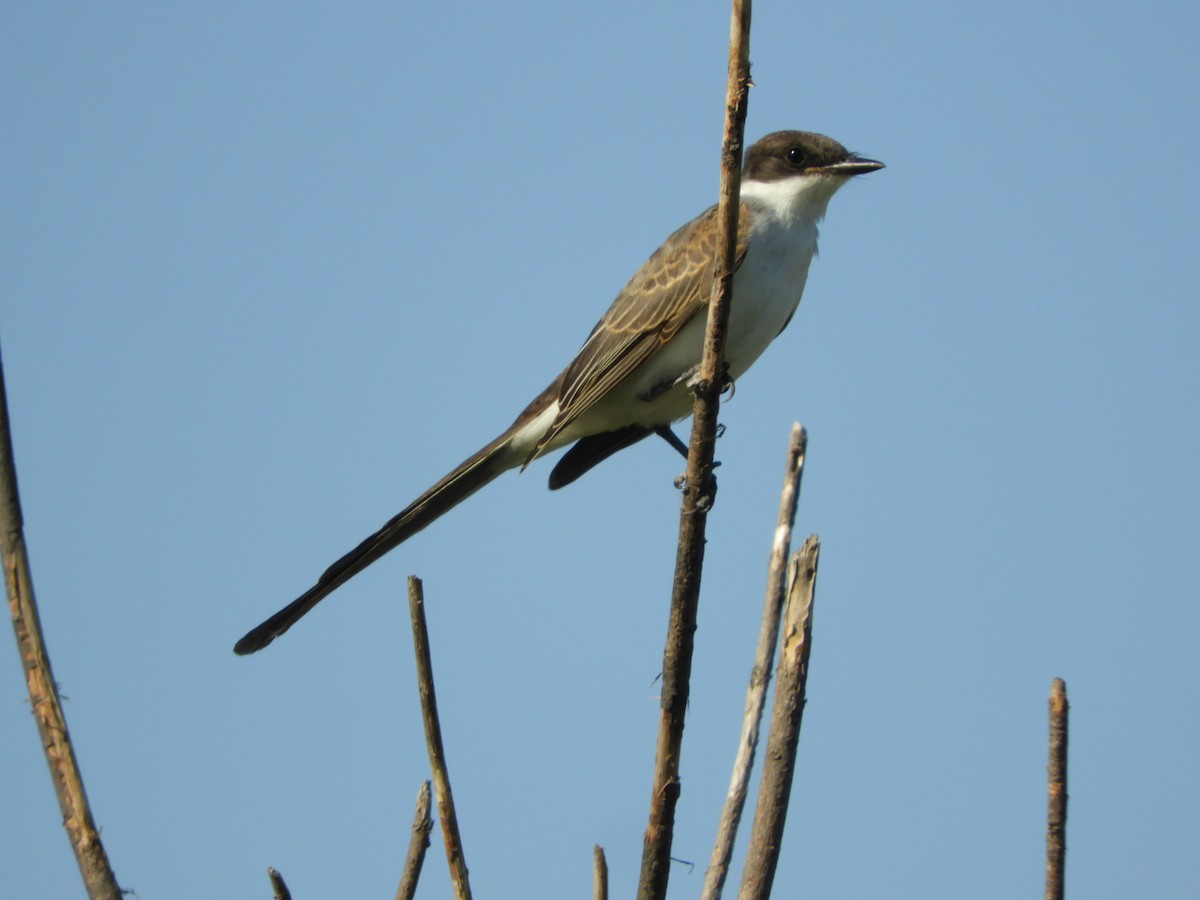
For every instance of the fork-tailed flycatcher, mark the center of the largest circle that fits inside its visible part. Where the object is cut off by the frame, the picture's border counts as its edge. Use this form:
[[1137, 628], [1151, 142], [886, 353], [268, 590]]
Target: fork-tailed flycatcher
[[634, 374]]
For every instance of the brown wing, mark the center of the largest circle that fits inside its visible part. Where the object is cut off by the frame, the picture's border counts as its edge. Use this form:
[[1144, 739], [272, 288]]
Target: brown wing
[[663, 295]]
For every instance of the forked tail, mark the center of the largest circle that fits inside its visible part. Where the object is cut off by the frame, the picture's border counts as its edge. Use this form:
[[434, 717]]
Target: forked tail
[[456, 487]]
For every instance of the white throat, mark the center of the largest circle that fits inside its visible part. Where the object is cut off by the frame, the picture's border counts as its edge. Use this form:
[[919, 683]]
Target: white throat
[[803, 197]]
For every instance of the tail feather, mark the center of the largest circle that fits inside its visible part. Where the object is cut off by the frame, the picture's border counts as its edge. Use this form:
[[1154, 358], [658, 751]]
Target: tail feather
[[590, 451], [466, 479]]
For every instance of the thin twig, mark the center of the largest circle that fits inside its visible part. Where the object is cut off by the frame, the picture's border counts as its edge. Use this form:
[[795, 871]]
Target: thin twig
[[278, 885], [1056, 822], [600, 890], [697, 494], [98, 877], [433, 740], [421, 827], [779, 766], [760, 675]]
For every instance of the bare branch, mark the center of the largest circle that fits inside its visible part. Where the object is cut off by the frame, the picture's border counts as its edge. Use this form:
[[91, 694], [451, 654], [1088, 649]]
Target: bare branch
[[697, 494], [1056, 822], [760, 675], [433, 740], [98, 877], [278, 885], [421, 827], [762, 855], [600, 891]]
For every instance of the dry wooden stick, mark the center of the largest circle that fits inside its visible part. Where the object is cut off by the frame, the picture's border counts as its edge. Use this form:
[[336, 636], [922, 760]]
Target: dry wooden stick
[[98, 877], [1056, 822], [600, 889], [278, 885], [762, 855], [417, 844], [433, 740], [697, 494], [760, 675]]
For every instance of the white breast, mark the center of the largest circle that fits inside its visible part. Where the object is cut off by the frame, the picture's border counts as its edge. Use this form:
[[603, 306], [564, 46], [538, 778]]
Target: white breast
[[766, 292], [768, 287], [783, 242]]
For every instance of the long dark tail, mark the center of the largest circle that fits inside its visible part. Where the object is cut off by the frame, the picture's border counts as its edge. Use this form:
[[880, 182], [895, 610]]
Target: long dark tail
[[470, 476]]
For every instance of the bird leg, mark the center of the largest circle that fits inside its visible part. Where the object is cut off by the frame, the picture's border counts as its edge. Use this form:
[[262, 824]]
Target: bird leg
[[709, 496], [665, 432]]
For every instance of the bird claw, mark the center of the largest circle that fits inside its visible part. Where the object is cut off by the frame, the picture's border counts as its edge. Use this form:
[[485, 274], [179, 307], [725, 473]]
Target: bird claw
[[707, 498]]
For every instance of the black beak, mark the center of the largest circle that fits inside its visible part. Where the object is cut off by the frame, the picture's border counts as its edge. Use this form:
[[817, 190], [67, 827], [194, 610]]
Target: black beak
[[852, 165]]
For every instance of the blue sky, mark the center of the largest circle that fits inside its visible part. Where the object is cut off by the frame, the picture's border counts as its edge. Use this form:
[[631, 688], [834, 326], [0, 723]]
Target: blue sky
[[267, 271]]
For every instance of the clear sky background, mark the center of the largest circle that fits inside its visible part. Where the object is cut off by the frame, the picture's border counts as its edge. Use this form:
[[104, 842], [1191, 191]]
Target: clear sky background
[[268, 270]]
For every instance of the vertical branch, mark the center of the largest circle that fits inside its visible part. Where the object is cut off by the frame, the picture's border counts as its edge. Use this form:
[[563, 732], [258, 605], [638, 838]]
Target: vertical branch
[[762, 855], [417, 844], [98, 877], [1056, 822], [433, 740], [760, 675], [685, 595], [600, 881], [278, 885]]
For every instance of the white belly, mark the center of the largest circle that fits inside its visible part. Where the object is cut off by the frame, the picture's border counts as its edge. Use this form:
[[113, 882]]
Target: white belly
[[766, 292]]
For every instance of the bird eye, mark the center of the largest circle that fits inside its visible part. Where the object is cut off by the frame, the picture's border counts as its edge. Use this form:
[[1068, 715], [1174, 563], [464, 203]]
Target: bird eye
[[796, 156]]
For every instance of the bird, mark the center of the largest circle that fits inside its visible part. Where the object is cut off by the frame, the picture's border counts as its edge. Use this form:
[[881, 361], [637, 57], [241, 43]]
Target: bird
[[633, 376]]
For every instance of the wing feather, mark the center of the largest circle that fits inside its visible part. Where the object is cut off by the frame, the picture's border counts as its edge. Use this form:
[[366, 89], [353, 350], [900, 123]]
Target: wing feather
[[663, 295]]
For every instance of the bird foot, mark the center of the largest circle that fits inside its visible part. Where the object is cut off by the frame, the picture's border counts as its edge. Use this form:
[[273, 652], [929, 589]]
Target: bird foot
[[707, 497]]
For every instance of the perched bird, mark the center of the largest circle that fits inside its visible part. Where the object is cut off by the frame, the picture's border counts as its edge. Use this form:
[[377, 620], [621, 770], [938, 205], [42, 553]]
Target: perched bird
[[633, 375]]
